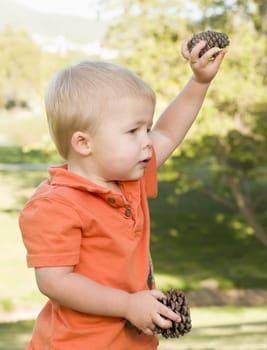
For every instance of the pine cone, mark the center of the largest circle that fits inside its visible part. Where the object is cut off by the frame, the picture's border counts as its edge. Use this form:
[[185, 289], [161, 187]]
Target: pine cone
[[213, 39], [177, 302]]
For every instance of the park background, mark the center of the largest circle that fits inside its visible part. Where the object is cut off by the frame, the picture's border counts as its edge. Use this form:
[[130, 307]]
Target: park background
[[209, 222]]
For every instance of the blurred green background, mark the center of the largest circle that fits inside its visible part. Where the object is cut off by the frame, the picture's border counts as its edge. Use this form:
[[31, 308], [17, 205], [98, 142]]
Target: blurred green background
[[209, 221]]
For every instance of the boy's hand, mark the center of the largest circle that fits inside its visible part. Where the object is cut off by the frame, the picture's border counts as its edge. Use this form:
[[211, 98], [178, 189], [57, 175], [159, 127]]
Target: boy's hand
[[205, 67], [144, 311]]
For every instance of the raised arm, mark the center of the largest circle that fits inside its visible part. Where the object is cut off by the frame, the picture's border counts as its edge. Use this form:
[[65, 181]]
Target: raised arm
[[176, 120]]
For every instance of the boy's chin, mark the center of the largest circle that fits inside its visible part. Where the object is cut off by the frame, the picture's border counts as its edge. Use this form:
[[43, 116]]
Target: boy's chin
[[132, 178]]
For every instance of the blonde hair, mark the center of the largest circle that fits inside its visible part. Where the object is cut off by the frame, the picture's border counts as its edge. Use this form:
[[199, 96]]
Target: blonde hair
[[77, 97]]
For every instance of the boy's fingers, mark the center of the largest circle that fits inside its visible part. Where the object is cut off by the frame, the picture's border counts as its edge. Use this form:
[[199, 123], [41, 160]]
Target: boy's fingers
[[214, 54], [211, 54], [162, 322], [148, 331], [164, 319], [217, 60], [220, 56], [157, 294], [167, 313], [196, 50], [184, 49]]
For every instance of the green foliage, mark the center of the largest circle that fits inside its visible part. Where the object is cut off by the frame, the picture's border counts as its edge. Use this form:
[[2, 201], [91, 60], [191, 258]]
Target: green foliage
[[33, 155], [19, 70], [25, 69], [190, 230], [148, 36], [231, 132]]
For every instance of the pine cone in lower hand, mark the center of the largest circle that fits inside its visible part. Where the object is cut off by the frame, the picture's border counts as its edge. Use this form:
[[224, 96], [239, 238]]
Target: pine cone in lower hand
[[213, 39], [177, 302]]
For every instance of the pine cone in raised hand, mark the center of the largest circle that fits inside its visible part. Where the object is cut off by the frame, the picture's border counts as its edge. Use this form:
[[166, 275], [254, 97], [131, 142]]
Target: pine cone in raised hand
[[213, 39]]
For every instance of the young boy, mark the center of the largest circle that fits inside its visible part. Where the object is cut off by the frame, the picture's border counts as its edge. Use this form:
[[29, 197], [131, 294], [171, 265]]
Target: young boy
[[86, 229]]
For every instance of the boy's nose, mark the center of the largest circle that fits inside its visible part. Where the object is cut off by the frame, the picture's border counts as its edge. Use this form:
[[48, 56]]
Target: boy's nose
[[147, 142]]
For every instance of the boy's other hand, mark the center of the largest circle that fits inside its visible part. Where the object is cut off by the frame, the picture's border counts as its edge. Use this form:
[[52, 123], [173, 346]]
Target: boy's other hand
[[205, 67], [145, 311]]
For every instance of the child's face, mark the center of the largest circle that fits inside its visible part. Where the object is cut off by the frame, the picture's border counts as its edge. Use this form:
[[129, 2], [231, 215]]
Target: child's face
[[122, 146]]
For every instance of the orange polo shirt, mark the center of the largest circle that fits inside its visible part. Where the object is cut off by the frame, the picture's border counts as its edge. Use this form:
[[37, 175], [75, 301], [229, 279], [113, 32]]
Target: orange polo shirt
[[105, 236]]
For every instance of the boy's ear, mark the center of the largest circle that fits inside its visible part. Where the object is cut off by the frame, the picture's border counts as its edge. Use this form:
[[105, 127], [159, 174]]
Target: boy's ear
[[80, 142]]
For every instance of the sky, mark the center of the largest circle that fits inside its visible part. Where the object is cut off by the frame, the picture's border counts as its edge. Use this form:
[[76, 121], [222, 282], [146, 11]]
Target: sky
[[83, 8]]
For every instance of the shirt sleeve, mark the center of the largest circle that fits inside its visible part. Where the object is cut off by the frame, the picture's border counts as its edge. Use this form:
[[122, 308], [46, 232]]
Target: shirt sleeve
[[51, 233], [150, 177]]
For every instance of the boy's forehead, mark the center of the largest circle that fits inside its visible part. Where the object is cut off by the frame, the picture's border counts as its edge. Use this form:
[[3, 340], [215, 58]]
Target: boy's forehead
[[135, 112], [133, 105], [126, 111]]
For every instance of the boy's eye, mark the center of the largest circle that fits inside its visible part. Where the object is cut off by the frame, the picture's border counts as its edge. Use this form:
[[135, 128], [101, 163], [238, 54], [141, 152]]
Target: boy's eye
[[132, 131]]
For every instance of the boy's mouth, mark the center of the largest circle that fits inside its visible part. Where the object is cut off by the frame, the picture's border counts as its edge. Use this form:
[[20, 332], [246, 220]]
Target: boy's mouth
[[145, 161]]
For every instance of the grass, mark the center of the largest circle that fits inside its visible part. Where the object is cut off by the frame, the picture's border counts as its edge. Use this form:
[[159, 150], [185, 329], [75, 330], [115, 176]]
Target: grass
[[14, 336], [228, 328], [214, 328]]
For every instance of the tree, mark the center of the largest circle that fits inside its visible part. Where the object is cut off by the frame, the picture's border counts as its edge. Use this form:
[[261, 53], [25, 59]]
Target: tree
[[239, 99], [20, 69], [25, 68], [148, 35], [230, 135]]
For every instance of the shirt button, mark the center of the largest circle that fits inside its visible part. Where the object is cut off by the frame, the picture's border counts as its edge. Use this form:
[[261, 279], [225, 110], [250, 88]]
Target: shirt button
[[127, 212], [111, 200]]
